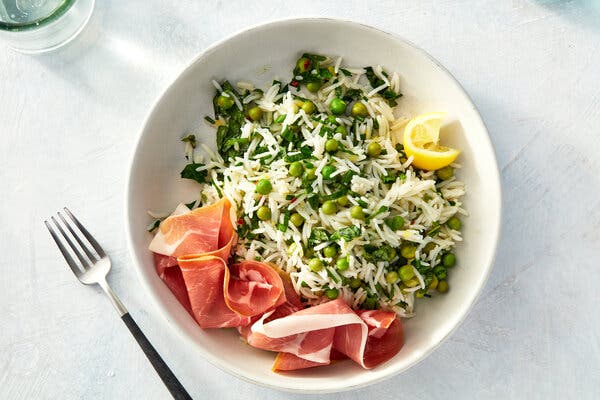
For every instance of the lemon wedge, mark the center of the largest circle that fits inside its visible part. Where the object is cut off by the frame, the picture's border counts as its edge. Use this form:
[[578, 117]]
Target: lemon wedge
[[421, 141]]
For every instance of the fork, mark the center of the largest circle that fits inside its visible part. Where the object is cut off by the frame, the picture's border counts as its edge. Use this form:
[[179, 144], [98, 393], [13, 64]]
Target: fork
[[92, 269]]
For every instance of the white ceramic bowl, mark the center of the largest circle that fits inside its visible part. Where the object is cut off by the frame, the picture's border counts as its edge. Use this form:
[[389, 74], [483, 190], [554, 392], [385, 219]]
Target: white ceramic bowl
[[259, 55]]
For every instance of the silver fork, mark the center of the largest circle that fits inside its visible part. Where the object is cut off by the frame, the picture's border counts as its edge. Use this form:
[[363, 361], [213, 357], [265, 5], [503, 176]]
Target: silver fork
[[92, 269]]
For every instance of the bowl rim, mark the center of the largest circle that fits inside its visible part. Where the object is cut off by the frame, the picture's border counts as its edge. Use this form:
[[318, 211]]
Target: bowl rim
[[217, 362]]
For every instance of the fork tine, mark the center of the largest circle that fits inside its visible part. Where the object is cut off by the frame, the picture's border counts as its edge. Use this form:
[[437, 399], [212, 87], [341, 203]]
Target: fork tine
[[84, 247], [72, 264], [87, 235], [84, 262]]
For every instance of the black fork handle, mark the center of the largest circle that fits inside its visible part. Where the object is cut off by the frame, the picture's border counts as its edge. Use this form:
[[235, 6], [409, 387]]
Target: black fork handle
[[169, 379]]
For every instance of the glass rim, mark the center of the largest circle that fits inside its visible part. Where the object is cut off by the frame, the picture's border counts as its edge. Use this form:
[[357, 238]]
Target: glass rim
[[38, 23]]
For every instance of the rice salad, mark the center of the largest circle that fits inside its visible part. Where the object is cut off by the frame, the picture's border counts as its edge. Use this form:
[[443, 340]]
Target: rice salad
[[322, 187]]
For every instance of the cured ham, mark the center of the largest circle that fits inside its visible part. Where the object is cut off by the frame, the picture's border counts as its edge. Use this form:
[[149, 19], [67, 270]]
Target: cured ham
[[253, 288], [367, 337], [204, 230], [204, 277], [192, 251]]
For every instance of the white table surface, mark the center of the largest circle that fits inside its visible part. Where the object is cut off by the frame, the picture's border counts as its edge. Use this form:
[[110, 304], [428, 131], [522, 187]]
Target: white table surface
[[68, 121]]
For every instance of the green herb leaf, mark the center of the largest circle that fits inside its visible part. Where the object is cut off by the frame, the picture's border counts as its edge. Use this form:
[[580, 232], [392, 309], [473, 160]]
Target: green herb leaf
[[191, 139], [388, 94], [190, 172], [317, 236], [348, 233], [435, 228], [380, 253], [153, 226]]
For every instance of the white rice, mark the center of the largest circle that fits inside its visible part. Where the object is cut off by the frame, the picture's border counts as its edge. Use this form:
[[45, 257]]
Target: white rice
[[416, 197]]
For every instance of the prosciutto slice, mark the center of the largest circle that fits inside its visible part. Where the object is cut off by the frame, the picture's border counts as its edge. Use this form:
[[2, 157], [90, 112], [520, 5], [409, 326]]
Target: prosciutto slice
[[367, 337], [253, 288], [204, 230], [192, 250]]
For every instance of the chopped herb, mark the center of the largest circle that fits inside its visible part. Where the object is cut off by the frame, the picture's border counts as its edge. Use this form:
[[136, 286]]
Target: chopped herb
[[345, 72], [362, 203], [154, 225], [334, 195], [435, 228], [389, 178], [280, 119], [209, 120], [190, 172], [332, 275], [191, 205], [381, 210], [309, 68], [314, 202], [388, 94], [352, 95], [380, 253], [214, 184], [191, 139], [348, 233], [305, 152], [286, 221], [317, 236]]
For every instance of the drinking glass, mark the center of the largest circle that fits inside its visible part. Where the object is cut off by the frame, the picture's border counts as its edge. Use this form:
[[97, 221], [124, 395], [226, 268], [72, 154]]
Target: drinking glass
[[35, 26]]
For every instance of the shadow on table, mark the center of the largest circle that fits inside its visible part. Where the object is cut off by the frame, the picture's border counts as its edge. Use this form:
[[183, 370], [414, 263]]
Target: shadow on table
[[577, 12], [111, 60]]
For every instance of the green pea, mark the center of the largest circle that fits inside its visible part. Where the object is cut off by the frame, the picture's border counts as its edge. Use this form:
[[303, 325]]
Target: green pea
[[359, 110], [225, 102], [255, 113], [454, 223], [296, 219], [342, 264], [406, 272], [331, 294], [391, 277], [332, 119], [263, 213], [264, 187], [355, 283], [330, 251], [341, 129], [440, 272], [310, 174], [329, 207], [374, 149], [296, 169], [327, 171], [313, 87], [370, 303], [408, 251], [315, 264], [429, 247], [445, 173], [449, 260], [357, 212], [309, 107], [434, 282], [442, 287], [337, 106], [343, 201], [331, 145], [411, 282], [395, 223], [303, 64]]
